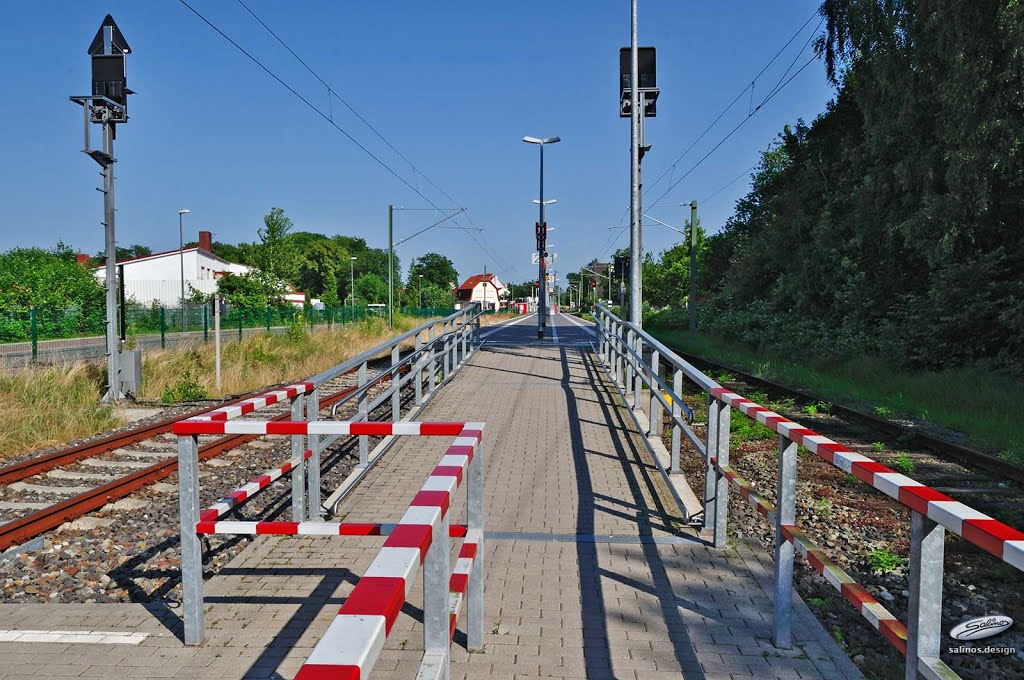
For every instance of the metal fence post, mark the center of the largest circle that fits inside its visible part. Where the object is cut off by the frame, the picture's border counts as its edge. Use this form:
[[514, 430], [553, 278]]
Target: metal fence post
[[418, 368], [396, 395], [677, 389], [710, 475], [206, 323], [435, 597], [191, 548], [475, 605], [785, 515], [268, 317], [313, 510], [924, 615], [163, 328], [299, 471], [241, 317], [35, 334], [432, 377], [721, 482], [364, 440], [638, 373]]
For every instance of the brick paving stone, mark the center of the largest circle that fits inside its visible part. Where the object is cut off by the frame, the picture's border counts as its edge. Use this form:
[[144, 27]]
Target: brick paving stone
[[563, 459]]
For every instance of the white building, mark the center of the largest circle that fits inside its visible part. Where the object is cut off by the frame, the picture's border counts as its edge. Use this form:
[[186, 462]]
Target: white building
[[157, 277], [483, 288]]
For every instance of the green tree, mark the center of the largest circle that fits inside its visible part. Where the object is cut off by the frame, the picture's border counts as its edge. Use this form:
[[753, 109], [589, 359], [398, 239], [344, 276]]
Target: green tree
[[254, 290], [435, 268], [320, 262], [275, 254], [35, 277], [371, 289]]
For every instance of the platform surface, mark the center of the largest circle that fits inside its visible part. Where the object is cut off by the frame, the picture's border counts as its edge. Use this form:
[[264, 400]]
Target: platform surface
[[590, 572]]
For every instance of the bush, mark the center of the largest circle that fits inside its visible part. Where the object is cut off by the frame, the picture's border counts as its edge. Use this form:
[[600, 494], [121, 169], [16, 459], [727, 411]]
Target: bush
[[188, 388]]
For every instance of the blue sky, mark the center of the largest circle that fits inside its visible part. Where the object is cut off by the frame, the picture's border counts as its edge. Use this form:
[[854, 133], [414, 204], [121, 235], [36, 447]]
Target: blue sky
[[454, 85]]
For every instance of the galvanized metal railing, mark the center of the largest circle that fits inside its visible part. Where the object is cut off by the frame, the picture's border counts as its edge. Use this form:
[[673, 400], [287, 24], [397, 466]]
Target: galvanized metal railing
[[449, 343], [622, 346]]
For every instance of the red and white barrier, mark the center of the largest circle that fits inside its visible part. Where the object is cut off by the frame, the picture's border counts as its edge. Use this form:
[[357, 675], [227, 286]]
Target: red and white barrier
[[353, 641], [983, 531], [249, 490], [202, 425], [255, 403]]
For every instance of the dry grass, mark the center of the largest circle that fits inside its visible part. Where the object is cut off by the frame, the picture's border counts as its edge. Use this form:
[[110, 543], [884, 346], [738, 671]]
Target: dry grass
[[45, 406]]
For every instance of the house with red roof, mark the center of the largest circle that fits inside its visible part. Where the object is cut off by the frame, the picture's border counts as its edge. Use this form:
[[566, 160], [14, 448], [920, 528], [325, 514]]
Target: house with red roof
[[483, 288]]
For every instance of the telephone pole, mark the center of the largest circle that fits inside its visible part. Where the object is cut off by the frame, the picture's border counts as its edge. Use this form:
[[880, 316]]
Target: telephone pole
[[635, 236], [693, 268]]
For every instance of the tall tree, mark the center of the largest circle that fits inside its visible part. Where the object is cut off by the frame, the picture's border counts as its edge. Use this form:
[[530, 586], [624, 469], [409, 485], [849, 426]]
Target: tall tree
[[435, 268], [275, 254]]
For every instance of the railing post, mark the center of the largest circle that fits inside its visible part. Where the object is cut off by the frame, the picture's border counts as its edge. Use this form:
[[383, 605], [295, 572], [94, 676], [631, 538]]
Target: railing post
[[721, 481], [785, 515], [447, 350], [638, 382], [620, 357], [924, 613], [435, 597], [654, 413], [191, 548], [466, 331], [629, 366], [299, 471], [364, 440], [711, 451], [432, 378], [677, 389], [396, 395], [417, 367], [313, 511], [475, 603]]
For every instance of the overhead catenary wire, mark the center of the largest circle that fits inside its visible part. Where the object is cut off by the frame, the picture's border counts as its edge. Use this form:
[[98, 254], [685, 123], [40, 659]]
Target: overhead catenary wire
[[328, 118]]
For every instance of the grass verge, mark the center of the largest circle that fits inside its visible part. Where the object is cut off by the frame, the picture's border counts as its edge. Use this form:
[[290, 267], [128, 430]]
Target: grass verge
[[980, 404], [51, 405]]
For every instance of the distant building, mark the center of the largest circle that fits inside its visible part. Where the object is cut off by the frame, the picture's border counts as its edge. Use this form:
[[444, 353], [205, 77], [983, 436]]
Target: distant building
[[483, 288]]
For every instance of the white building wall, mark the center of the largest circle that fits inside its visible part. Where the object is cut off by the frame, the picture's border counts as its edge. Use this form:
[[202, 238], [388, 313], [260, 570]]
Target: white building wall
[[158, 279]]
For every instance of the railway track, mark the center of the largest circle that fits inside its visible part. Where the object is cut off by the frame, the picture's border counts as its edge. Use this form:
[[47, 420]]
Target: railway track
[[995, 468], [36, 490]]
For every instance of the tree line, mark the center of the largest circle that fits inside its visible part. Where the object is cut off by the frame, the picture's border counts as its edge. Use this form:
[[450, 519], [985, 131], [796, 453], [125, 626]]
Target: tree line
[[891, 224]]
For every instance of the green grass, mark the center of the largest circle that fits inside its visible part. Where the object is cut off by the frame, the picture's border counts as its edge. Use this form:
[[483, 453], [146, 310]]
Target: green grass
[[883, 560], [903, 463], [981, 404]]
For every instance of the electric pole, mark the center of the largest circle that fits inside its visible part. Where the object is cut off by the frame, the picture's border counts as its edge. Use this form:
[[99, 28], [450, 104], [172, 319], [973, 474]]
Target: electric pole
[[635, 237], [693, 268]]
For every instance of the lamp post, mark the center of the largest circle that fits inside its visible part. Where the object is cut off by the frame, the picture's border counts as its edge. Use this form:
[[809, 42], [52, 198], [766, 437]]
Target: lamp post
[[541, 234], [181, 252], [421, 291], [352, 275]]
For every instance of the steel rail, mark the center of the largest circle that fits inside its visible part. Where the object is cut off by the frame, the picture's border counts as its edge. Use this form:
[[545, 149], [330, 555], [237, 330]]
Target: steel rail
[[49, 461], [31, 525], [937, 444]]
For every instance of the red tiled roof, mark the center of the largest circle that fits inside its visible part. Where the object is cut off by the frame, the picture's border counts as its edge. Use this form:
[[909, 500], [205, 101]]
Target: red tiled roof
[[475, 280]]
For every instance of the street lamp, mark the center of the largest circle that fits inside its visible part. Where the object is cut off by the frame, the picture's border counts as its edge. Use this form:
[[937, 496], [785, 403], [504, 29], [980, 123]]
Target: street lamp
[[421, 291], [541, 233], [181, 253], [352, 292]]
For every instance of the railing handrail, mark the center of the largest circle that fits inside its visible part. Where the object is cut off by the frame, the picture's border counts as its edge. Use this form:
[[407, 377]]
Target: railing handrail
[[689, 369], [329, 374]]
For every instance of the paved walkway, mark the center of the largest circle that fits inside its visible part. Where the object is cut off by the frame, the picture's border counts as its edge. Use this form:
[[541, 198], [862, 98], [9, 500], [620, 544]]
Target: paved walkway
[[589, 571]]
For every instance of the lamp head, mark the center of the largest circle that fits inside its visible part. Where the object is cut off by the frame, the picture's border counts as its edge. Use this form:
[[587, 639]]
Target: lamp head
[[184, 212]]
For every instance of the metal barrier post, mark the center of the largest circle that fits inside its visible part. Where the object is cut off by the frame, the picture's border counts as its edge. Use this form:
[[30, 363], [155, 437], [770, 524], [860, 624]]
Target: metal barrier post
[[677, 389], [721, 481], [313, 510], [710, 475], [466, 330], [299, 471], [396, 394], [447, 351], [475, 604], [620, 357], [418, 370], [432, 377], [191, 548], [435, 598], [924, 615], [364, 440], [654, 414], [785, 515], [638, 383]]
